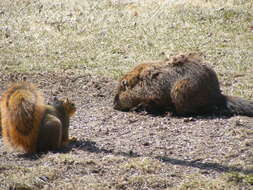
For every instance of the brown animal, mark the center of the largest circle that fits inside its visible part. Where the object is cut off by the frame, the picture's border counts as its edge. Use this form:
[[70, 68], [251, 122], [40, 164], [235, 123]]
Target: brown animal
[[181, 84], [28, 124]]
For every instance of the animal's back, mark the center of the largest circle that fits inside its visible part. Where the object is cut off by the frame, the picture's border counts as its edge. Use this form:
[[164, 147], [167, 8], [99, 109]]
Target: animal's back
[[166, 84]]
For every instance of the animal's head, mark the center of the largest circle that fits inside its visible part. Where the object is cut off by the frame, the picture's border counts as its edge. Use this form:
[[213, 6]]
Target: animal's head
[[130, 89], [66, 104], [126, 97]]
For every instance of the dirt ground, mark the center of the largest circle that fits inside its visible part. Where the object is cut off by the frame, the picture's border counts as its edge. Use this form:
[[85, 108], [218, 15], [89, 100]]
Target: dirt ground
[[126, 150]]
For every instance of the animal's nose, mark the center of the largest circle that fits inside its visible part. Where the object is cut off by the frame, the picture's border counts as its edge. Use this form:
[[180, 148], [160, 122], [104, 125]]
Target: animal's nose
[[116, 102]]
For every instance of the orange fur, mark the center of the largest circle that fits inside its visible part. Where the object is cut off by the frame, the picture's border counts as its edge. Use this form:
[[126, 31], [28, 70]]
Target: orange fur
[[22, 110], [28, 124]]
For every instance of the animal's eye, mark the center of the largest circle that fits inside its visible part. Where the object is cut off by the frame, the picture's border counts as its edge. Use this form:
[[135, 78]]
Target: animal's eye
[[124, 83]]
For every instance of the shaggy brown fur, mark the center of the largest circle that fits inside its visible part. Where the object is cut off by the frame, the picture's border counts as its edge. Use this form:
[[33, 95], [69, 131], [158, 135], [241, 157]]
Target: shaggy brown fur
[[181, 84]]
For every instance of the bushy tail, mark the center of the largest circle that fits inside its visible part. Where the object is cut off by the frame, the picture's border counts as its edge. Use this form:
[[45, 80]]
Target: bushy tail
[[239, 106], [22, 110]]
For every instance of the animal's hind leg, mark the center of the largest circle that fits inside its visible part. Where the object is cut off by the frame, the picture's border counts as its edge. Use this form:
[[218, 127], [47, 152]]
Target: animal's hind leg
[[190, 97], [50, 134]]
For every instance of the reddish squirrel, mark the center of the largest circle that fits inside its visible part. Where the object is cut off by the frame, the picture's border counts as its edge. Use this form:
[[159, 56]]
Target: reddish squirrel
[[28, 124], [181, 84]]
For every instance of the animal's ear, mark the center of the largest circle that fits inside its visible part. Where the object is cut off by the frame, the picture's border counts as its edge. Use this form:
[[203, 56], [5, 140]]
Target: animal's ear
[[65, 100], [55, 99], [155, 75]]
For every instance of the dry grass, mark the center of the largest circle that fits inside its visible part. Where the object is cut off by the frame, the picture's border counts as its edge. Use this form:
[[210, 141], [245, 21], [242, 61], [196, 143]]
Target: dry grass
[[66, 34], [231, 181]]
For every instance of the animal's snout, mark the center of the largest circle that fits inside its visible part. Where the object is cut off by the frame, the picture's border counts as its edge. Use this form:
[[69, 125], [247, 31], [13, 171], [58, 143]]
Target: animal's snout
[[116, 102]]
